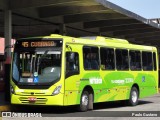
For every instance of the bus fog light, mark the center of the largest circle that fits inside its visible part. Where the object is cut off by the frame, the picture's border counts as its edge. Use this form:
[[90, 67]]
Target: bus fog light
[[57, 90], [11, 89]]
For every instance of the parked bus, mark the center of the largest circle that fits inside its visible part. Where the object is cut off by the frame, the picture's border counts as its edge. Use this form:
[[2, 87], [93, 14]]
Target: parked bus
[[61, 70]]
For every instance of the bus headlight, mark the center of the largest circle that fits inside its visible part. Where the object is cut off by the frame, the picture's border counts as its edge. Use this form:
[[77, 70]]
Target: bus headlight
[[12, 89], [57, 90]]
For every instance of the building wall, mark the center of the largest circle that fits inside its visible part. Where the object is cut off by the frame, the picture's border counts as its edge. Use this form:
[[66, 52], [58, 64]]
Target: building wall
[[2, 46]]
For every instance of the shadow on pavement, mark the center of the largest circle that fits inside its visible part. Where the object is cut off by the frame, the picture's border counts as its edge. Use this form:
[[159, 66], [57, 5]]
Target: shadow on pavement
[[2, 99], [69, 109]]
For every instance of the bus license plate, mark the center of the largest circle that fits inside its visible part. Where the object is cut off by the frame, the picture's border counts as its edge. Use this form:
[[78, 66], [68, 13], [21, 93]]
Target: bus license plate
[[32, 99]]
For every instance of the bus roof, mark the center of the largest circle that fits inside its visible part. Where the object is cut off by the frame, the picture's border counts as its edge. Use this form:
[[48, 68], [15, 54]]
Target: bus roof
[[107, 39], [98, 40], [114, 42]]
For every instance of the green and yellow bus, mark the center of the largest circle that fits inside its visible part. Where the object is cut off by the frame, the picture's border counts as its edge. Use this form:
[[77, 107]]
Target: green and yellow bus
[[61, 71]]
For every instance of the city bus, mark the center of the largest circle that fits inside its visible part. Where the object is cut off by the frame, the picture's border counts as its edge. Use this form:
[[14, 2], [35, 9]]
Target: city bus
[[60, 70]]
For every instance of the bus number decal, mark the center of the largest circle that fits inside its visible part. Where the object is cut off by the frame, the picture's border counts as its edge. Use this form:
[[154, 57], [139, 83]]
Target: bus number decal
[[25, 44], [117, 81], [126, 80], [129, 80]]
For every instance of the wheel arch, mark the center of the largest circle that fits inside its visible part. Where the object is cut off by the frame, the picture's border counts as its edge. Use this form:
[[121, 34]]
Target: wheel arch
[[89, 89]]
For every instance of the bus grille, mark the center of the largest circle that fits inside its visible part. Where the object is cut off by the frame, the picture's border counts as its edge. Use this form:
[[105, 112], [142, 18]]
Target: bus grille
[[25, 100], [30, 93]]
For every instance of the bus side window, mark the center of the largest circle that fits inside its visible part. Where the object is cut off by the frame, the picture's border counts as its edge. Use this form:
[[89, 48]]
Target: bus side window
[[122, 61], [135, 60], [72, 63], [107, 58], [87, 64], [90, 58], [94, 61], [147, 61]]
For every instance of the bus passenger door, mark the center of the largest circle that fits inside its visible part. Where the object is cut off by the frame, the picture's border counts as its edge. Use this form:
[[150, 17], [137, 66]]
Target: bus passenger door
[[72, 77]]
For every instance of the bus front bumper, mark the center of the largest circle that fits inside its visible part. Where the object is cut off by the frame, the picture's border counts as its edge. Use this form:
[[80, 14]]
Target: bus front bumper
[[56, 100]]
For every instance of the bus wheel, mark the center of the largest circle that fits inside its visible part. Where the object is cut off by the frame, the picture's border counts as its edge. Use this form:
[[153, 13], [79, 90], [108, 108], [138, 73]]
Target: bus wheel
[[133, 100], [84, 101]]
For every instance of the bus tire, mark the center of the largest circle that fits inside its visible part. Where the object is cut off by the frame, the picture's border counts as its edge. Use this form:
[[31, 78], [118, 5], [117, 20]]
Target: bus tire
[[84, 101], [90, 106], [134, 94]]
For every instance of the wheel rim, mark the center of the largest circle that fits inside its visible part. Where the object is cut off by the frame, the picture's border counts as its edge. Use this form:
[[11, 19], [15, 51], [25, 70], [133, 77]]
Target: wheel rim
[[134, 96], [85, 100]]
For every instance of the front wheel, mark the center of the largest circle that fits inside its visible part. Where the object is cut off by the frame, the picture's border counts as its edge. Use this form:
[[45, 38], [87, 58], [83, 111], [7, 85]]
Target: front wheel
[[134, 94], [84, 102]]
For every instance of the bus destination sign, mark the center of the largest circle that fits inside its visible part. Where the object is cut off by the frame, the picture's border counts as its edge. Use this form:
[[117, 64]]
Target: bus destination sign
[[32, 44], [39, 44]]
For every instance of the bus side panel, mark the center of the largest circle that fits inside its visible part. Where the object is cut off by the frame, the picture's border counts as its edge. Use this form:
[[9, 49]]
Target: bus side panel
[[148, 83], [95, 81], [117, 85], [108, 85], [72, 91]]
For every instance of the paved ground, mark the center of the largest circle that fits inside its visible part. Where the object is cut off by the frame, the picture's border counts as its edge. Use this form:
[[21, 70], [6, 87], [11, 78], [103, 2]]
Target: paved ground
[[147, 107], [3, 105]]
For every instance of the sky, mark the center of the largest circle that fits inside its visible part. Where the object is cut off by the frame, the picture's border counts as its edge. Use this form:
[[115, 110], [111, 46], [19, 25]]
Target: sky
[[146, 8]]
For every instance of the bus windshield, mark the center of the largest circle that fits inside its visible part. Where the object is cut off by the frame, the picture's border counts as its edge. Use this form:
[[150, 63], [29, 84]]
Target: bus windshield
[[36, 65]]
